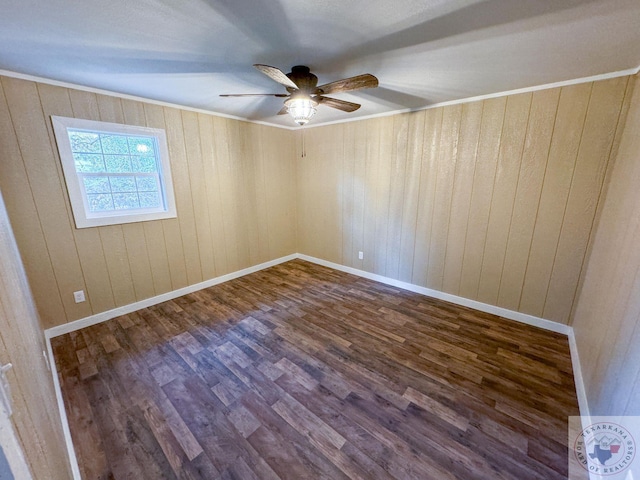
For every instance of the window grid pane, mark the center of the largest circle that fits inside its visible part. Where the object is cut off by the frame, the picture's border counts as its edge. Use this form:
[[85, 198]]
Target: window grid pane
[[100, 202], [110, 192], [117, 172]]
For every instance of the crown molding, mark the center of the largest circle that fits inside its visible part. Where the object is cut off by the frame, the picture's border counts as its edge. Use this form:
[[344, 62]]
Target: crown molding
[[564, 83], [534, 88], [100, 91]]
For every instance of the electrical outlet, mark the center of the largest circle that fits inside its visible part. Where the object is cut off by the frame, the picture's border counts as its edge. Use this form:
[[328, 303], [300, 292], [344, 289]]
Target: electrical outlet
[[79, 296], [361, 255]]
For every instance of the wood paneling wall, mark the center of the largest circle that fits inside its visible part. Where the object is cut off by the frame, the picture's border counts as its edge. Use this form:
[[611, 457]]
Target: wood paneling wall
[[493, 200], [235, 193], [606, 321], [35, 412]]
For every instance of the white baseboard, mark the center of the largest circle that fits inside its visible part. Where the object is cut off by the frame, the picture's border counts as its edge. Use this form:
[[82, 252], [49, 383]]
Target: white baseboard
[[581, 391], [116, 312], [483, 307], [132, 307], [465, 302], [66, 432]]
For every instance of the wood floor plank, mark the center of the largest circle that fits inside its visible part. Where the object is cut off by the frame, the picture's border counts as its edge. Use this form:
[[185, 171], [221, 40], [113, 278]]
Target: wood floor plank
[[299, 371], [427, 403]]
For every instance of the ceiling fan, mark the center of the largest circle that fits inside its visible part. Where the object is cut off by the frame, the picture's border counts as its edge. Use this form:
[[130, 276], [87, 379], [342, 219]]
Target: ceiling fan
[[304, 94]]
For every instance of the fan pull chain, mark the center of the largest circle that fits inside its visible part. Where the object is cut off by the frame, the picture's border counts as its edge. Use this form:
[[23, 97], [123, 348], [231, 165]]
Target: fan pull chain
[[303, 154]]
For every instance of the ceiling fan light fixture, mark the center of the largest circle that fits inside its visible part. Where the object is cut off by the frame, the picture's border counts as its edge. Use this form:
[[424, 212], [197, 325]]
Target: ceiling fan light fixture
[[304, 95], [301, 109]]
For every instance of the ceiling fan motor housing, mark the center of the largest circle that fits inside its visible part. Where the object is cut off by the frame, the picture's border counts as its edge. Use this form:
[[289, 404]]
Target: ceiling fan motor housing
[[304, 79]]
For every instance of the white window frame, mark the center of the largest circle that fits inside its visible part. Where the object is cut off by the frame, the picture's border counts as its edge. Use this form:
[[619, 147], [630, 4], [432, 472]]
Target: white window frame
[[83, 217]]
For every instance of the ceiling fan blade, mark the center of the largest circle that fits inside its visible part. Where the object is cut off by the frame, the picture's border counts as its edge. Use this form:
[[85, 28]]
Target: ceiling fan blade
[[255, 95], [277, 75], [283, 111], [349, 84], [339, 104]]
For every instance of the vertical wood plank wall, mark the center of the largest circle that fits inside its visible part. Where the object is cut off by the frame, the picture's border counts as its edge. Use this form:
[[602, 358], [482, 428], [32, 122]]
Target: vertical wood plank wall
[[606, 321], [528, 202], [490, 200], [35, 412], [235, 193], [493, 200]]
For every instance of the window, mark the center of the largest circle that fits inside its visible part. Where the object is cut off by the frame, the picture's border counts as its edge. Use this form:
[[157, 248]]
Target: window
[[115, 173]]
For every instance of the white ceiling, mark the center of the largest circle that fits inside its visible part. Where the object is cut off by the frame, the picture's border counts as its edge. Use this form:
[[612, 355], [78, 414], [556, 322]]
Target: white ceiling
[[187, 52]]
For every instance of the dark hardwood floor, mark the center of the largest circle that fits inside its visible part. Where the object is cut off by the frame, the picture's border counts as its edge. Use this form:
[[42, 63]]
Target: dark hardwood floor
[[303, 372]]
